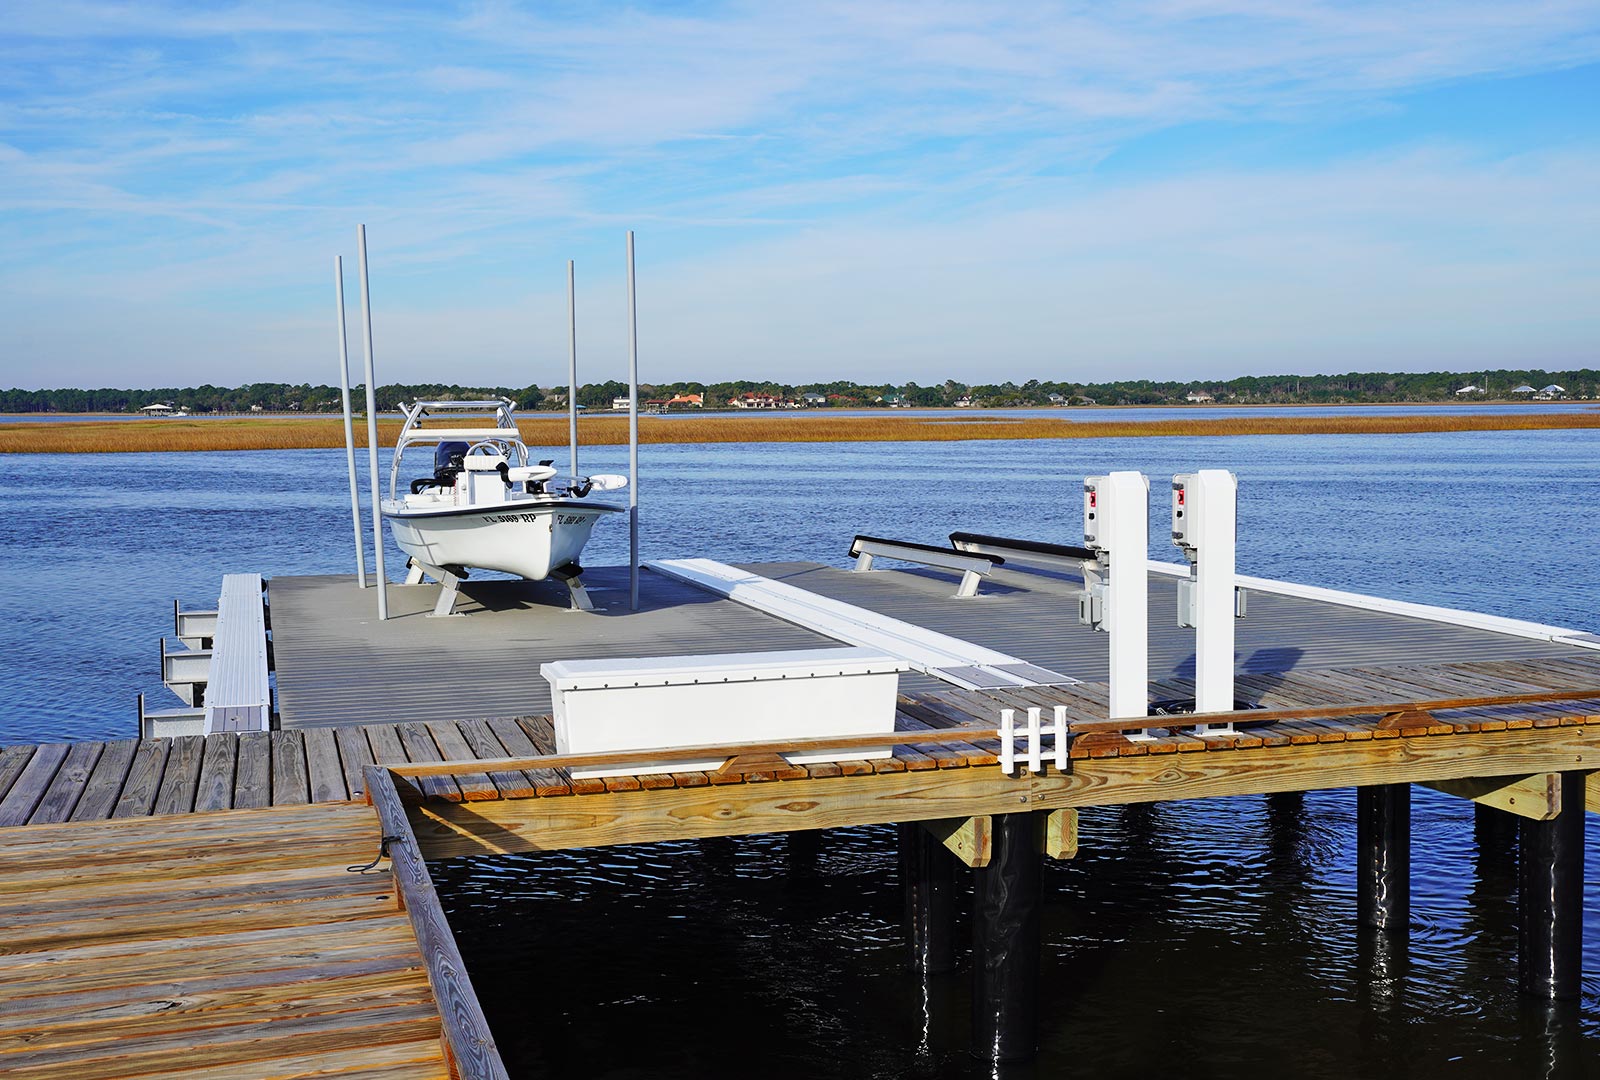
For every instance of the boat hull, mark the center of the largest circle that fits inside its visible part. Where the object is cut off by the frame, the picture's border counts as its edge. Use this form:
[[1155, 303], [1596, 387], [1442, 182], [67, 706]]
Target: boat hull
[[522, 538]]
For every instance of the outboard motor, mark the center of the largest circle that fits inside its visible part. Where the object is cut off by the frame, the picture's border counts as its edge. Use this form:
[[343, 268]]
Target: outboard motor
[[449, 458]]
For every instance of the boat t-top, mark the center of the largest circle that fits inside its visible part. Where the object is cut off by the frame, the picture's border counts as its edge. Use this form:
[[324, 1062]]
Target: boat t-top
[[486, 505]]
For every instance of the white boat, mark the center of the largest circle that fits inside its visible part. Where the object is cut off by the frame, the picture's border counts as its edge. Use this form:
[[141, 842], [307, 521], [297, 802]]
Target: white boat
[[484, 505]]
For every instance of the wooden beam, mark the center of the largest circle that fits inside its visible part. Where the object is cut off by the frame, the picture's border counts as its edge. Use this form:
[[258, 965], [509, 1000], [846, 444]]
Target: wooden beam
[[970, 839], [1537, 796], [1058, 833], [468, 1044], [446, 830]]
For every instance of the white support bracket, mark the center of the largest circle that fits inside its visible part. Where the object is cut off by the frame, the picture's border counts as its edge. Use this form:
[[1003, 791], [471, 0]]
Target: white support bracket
[[449, 587]]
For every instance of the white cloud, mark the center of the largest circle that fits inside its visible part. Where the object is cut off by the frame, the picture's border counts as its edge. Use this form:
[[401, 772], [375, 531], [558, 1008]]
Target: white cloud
[[888, 185]]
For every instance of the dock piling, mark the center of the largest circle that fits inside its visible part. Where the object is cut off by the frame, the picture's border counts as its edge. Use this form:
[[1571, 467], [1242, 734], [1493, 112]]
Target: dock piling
[[927, 872], [1383, 857], [1550, 899], [1005, 944]]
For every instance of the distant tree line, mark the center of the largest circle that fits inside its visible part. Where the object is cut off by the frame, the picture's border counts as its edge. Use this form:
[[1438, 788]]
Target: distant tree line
[[1354, 387]]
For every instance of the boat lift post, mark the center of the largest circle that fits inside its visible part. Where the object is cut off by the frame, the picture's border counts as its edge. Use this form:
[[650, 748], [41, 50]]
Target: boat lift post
[[372, 428], [1204, 528], [633, 436], [572, 370], [349, 427], [1116, 527]]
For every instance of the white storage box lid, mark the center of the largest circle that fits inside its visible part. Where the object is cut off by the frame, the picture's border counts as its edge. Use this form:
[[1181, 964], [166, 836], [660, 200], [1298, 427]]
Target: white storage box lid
[[565, 675]]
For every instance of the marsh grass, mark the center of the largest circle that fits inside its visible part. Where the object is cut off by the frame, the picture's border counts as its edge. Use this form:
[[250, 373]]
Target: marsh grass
[[156, 435]]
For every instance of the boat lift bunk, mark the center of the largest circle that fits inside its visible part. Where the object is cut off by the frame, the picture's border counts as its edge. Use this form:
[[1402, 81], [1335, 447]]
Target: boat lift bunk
[[972, 567]]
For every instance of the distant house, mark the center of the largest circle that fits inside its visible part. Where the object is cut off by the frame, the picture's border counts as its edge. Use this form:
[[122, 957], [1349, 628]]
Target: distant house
[[157, 409], [1057, 399], [686, 401], [814, 399], [256, 408], [964, 402], [1550, 393], [1197, 396], [1469, 389], [754, 401], [894, 401], [1523, 389], [621, 403]]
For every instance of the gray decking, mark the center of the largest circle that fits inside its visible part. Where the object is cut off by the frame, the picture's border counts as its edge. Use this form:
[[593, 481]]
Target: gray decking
[[336, 664], [1035, 616]]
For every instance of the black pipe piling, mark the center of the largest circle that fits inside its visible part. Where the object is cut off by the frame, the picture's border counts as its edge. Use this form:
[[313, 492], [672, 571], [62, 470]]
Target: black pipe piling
[[1005, 943], [1550, 899], [927, 872], [1383, 857]]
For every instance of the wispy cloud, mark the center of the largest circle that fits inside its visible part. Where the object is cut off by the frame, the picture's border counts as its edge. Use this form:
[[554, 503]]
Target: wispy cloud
[[170, 158]]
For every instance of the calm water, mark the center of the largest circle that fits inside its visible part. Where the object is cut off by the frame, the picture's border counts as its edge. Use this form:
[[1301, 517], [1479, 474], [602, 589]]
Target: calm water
[[1193, 939]]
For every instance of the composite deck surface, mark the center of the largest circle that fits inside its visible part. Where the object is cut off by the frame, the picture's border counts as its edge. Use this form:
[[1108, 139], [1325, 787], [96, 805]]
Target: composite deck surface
[[233, 944], [337, 664]]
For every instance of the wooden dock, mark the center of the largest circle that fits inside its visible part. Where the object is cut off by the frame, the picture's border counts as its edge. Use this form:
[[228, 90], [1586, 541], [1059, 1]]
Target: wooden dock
[[226, 944], [184, 907]]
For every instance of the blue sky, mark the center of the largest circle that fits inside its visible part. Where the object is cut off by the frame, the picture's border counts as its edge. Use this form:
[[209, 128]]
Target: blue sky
[[1172, 189]]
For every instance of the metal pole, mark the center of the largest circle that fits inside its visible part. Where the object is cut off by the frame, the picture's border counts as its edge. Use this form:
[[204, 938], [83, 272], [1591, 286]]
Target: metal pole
[[349, 426], [633, 436], [372, 428], [572, 370]]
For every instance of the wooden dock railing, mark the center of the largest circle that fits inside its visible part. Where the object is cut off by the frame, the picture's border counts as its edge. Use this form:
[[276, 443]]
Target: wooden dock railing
[[468, 1043]]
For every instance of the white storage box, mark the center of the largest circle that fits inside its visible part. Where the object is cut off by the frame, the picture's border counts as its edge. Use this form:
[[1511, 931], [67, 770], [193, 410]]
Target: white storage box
[[643, 704]]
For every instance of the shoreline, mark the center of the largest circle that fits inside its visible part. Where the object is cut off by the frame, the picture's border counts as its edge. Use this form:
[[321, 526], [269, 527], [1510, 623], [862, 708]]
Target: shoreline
[[540, 414], [191, 435]]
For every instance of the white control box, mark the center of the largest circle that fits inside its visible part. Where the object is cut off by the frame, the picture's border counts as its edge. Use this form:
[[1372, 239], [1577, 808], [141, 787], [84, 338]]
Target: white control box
[[1180, 509], [1091, 511]]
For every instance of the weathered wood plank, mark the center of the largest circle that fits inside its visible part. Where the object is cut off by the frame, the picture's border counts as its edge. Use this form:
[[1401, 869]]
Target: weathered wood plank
[[518, 744], [420, 747], [12, 760], [252, 777], [454, 746], [471, 1044], [323, 766], [354, 755], [182, 776], [104, 786], [290, 786], [215, 789], [68, 785], [512, 784], [144, 779], [31, 785]]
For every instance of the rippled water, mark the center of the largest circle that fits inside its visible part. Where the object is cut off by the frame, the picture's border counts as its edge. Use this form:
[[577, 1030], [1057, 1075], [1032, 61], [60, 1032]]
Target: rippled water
[[1199, 939]]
